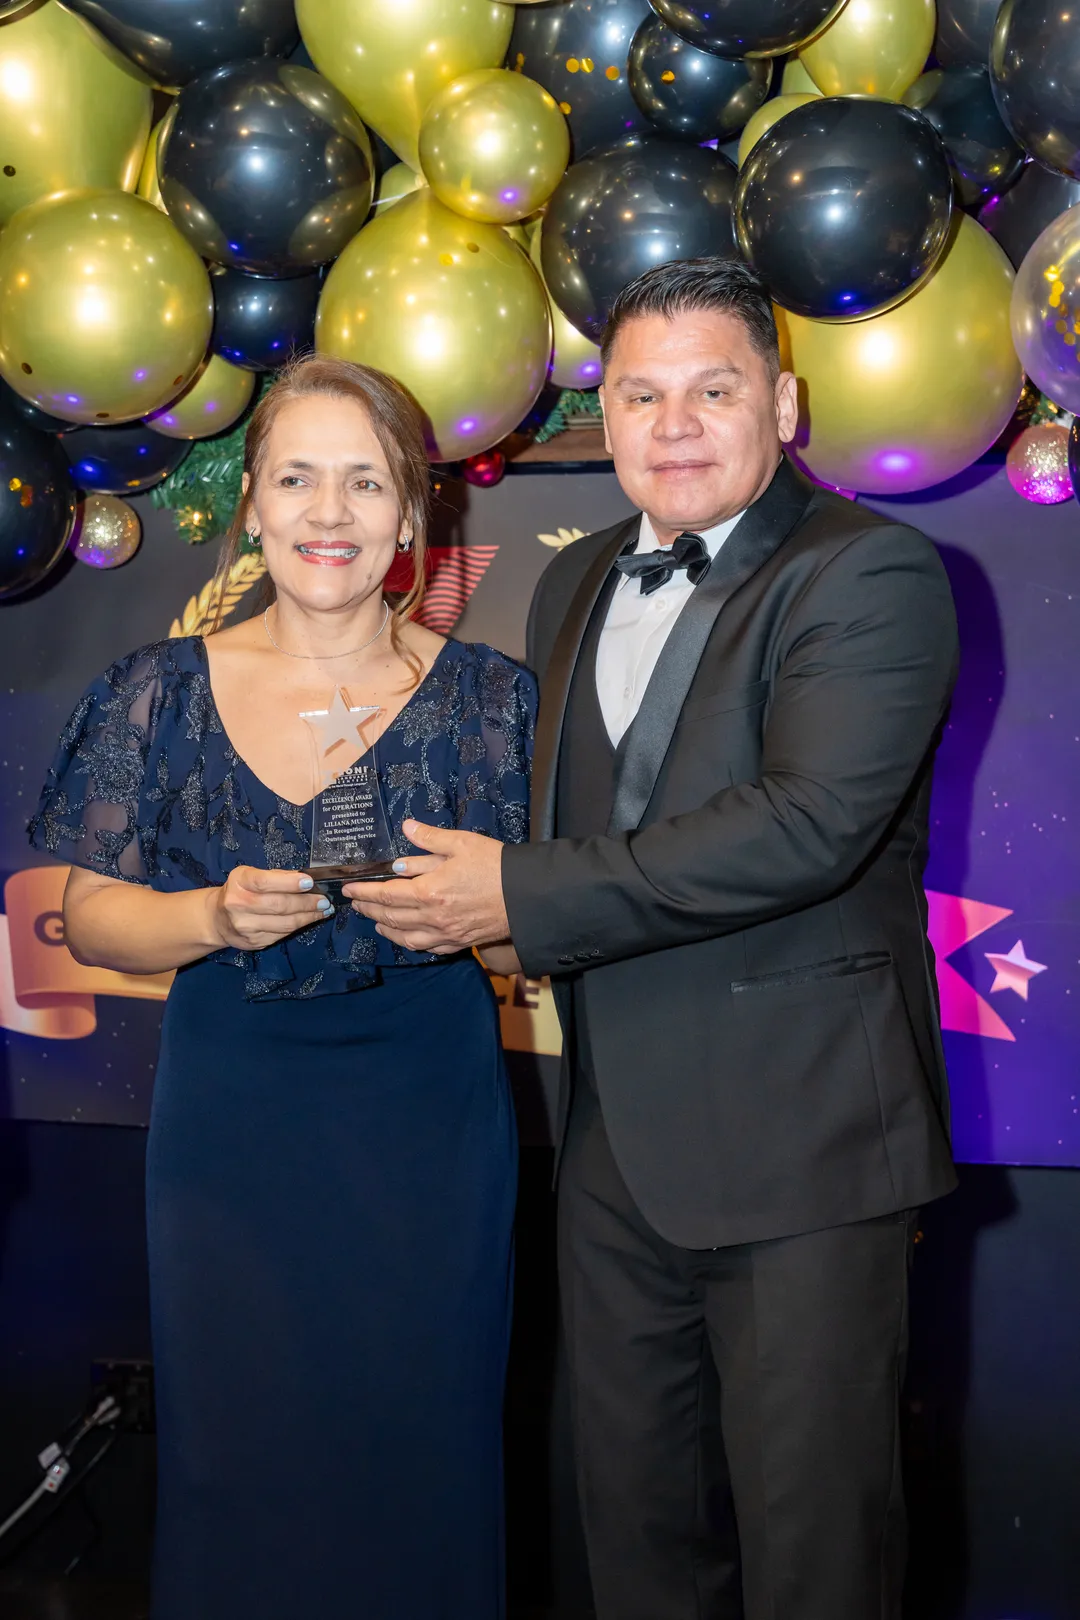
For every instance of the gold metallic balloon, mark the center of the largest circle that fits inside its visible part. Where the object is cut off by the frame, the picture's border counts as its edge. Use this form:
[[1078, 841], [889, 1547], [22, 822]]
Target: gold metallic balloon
[[768, 114], [911, 397], [873, 48], [575, 360], [796, 81], [73, 111], [449, 306], [147, 186], [392, 57], [107, 532], [494, 145], [398, 181], [105, 310], [220, 393]]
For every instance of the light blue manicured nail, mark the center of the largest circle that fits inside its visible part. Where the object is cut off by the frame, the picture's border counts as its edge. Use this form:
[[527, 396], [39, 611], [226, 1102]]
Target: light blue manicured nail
[[326, 905], [399, 866], [307, 882]]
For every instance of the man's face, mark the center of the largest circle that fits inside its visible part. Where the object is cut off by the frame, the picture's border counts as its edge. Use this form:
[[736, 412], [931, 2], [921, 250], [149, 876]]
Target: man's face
[[692, 418]]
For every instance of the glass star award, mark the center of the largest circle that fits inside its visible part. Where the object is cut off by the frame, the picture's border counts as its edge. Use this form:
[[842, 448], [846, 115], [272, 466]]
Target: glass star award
[[350, 829]]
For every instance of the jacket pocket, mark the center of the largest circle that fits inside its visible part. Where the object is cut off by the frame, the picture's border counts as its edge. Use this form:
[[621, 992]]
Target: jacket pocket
[[837, 967]]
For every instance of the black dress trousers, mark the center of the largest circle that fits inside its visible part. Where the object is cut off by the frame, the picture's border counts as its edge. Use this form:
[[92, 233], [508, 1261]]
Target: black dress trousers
[[736, 1409]]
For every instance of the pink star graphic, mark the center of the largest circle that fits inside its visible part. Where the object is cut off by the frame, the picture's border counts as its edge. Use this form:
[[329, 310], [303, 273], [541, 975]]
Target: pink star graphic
[[953, 922], [1013, 970]]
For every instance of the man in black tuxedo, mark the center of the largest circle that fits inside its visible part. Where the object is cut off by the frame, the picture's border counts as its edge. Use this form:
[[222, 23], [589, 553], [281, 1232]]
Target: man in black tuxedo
[[741, 695]]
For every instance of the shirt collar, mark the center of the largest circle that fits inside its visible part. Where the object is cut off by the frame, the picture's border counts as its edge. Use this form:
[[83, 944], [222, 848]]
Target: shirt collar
[[713, 538]]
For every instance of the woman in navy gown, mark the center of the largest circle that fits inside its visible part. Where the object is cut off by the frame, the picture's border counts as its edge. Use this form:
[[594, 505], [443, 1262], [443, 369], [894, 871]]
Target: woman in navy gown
[[332, 1160]]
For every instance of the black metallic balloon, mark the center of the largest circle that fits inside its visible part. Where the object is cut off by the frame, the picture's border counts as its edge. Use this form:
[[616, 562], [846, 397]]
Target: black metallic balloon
[[260, 320], [844, 206], [1035, 71], [37, 504], [690, 93], [626, 208], [746, 27], [174, 40], [123, 460], [577, 49], [31, 414], [1024, 212], [960, 104], [266, 168], [964, 31]]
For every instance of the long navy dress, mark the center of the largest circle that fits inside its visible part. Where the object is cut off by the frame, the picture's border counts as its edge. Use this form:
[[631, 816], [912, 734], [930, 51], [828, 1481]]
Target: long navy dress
[[331, 1169]]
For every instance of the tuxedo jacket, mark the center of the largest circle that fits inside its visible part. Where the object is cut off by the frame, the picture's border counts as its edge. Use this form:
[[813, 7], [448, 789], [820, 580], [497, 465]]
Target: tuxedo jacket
[[748, 929]]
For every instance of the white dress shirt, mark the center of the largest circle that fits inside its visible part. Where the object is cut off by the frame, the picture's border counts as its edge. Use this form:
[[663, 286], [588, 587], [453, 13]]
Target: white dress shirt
[[636, 629]]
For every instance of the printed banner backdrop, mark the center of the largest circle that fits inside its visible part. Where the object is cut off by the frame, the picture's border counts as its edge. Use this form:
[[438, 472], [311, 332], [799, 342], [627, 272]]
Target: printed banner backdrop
[[80, 1044]]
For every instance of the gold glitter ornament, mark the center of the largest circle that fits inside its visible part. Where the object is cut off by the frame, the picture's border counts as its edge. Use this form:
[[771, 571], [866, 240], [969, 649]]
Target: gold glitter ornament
[[107, 532], [1038, 464]]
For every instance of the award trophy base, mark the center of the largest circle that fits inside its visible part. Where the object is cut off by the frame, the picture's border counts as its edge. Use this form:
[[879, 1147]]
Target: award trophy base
[[329, 879]]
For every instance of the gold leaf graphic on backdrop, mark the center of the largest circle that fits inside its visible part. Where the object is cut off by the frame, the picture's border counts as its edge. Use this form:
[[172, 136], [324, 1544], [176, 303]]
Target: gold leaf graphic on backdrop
[[202, 610], [561, 538]]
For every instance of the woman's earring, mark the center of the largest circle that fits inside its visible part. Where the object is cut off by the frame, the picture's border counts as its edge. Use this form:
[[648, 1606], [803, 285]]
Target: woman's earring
[[254, 540], [405, 543]]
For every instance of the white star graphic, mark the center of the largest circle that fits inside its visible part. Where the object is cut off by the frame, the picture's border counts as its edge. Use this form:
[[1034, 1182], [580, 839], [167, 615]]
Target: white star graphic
[[1013, 970], [338, 724]]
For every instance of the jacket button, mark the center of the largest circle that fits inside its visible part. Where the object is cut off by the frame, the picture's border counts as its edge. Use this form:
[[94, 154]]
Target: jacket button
[[583, 956], [596, 953], [566, 961]]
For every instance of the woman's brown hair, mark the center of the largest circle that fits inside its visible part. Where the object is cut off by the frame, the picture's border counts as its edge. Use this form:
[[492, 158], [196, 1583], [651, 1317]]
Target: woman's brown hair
[[397, 424]]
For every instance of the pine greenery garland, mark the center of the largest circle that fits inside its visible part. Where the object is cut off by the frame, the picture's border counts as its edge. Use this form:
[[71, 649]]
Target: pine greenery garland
[[571, 402]]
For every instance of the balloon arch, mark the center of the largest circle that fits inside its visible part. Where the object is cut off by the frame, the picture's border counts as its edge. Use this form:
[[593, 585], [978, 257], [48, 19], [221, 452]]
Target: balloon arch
[[456, 190]]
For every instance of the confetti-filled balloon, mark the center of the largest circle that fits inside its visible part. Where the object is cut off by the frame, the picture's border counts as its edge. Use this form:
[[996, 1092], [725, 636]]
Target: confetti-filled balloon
[[219, 394], [694, 95], [911, 397], [72, 111], [747, 27], [265, 167], [1046, 311], [123, 460], [105, 311], [391, 60], [872, 48], [1037, 464], [174, 41], [107, 533], [451, 308], [575, 359], [37, 504], [493, 146], [578, 50]]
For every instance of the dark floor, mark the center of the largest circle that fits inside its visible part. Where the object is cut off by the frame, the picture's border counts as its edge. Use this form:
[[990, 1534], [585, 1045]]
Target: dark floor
[[34, 1598]]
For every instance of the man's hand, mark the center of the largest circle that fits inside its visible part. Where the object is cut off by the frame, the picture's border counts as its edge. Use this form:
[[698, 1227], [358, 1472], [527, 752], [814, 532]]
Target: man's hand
[[448, 900]]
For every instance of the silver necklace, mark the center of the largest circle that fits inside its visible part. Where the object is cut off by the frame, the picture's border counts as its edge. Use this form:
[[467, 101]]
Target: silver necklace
[[350, 654]]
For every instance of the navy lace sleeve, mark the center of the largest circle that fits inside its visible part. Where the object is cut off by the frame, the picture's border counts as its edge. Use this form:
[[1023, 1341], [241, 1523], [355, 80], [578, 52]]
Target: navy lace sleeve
[[88, 814], [147, 787]]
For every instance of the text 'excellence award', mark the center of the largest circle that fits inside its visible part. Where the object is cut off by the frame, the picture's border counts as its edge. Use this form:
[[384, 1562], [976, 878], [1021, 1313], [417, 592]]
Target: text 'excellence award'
[[350, 830]]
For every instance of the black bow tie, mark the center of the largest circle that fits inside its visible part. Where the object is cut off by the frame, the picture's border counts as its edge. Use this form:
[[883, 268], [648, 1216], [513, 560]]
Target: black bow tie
[[655, 568]]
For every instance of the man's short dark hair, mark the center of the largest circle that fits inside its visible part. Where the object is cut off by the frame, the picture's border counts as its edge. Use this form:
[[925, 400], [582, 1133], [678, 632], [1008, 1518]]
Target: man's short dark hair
[[687, 285]]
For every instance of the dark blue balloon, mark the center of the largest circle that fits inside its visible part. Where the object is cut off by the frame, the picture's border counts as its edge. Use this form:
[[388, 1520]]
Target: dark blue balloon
[[37, 504], [173, 40], [265, 167], [960, 104], [32, 415], [260, 320], [123, 460]]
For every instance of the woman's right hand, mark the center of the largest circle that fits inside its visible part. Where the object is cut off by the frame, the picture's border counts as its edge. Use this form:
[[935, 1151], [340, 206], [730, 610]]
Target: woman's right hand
[[255, 908]]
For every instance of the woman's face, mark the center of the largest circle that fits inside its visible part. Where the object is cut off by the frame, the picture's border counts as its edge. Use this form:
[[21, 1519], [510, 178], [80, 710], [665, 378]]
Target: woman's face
[[324, 505]]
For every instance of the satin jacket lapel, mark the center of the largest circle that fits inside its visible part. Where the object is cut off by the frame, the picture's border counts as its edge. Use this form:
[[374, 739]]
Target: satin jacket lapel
[[759, 532], [560, 672]]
